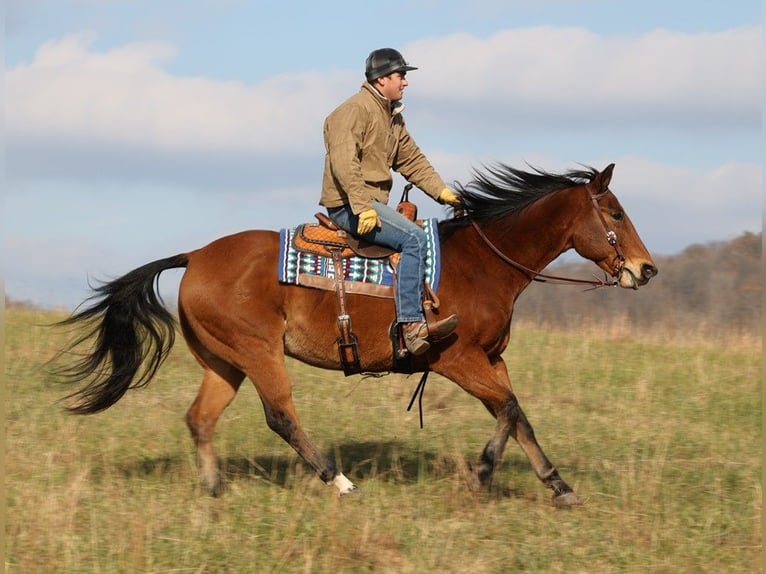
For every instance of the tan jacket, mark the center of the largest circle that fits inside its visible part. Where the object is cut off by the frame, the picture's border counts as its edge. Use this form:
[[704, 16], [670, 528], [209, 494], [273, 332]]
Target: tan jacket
[[365, 138]]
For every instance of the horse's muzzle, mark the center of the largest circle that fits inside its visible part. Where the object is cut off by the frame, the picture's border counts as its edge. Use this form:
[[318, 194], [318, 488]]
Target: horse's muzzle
[[629, 280]]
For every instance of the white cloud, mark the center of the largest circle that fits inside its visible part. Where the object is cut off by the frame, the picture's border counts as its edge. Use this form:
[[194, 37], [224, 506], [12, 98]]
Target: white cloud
[[731, 185], [124, 97], [669, 76], [71, 93]]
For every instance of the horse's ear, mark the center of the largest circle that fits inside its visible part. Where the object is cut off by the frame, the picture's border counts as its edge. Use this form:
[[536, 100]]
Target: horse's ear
[[602, 180]]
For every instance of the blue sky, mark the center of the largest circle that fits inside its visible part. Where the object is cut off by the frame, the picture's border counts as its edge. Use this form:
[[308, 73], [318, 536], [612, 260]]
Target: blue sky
[[135, 130]]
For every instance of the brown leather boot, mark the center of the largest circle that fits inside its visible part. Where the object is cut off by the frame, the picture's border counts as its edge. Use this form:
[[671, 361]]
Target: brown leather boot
[[417, 335]]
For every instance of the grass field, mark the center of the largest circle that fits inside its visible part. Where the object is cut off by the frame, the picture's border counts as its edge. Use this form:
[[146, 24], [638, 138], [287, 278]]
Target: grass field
[[662, 440]]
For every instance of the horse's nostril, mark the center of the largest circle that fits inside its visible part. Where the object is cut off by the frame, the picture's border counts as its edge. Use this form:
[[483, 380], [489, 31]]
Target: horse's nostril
[[648, 271]]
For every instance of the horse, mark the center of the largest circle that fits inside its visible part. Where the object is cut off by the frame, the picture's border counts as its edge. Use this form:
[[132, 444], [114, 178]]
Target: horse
[[239, 321]]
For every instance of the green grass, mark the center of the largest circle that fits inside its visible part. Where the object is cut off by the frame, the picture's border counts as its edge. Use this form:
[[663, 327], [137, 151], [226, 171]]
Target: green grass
[[662, 440]]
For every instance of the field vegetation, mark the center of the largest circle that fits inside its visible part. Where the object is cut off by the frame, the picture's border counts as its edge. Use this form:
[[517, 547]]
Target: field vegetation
[[657, 429]]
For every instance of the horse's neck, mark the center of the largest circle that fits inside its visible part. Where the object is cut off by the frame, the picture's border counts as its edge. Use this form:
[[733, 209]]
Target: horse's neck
[[539, 234]]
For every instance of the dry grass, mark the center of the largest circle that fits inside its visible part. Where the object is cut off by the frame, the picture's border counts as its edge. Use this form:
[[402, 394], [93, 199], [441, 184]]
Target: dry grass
[[619, 328], [661, 438]]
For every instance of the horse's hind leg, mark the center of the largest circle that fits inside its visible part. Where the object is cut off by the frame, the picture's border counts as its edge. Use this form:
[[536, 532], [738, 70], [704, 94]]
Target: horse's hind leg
[[218, 389], [275, 390]]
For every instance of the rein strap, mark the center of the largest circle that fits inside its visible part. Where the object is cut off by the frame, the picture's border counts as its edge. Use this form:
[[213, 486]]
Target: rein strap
[[537, 275]]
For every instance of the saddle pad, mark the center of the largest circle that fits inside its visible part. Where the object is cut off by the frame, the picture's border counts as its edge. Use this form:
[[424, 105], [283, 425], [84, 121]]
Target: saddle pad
[[313, 270]]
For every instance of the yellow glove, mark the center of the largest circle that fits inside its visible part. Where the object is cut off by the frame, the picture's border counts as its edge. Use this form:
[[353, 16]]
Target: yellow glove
[[368, 220], [449, 197]]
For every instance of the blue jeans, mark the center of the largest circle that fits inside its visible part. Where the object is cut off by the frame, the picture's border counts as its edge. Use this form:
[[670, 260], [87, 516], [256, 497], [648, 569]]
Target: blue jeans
[[397, 232]]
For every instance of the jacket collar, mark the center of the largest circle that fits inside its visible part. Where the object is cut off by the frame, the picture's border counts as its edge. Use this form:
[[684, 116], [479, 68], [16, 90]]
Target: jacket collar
[[393, 108]]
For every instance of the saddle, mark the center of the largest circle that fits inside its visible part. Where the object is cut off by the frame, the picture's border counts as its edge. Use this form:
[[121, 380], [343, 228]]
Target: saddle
[[326, 239]]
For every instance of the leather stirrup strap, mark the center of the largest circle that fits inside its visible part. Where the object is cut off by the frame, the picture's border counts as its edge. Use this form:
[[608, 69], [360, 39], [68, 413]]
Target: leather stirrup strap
[[430, 306], [347, 343], [430, 295]]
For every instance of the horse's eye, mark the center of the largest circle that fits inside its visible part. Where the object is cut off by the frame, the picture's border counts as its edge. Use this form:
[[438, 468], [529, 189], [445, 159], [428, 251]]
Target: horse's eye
[[617, 215]]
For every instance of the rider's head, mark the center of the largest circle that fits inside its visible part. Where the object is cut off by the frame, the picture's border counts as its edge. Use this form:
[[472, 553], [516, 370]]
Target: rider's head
[[385, 69]]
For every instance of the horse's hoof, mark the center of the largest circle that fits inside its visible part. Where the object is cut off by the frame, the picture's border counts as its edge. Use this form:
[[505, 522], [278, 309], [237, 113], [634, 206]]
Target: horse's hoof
[[344, 485], [566, 500], [352, 493], [217, 490]]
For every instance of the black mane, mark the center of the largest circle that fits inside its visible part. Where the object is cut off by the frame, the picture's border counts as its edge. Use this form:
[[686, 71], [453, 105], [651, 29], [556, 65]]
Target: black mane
[[501, 190]]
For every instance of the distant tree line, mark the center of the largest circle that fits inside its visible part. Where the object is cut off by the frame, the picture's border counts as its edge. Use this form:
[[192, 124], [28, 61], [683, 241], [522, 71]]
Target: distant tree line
[[706, 290]]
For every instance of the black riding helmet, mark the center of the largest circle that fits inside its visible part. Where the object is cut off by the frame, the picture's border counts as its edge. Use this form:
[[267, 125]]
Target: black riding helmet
[[383, 62]]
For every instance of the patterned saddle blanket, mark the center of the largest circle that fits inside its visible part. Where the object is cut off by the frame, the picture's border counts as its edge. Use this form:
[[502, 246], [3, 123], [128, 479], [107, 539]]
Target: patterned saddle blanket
[[302, 264]]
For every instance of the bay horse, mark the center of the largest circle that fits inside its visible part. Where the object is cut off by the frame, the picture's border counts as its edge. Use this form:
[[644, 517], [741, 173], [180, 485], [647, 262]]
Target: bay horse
[[239, 321]]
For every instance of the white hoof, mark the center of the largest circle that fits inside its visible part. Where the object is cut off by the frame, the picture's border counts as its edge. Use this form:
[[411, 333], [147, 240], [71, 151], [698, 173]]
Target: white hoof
[[344, 485]]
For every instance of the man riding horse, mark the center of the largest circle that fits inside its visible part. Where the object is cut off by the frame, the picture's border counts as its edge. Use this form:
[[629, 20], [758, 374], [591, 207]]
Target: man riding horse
[[365, 138], [240, 321]]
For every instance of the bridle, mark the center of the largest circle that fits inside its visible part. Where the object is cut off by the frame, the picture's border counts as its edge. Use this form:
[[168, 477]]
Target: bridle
[[611, 235], [611, 238]]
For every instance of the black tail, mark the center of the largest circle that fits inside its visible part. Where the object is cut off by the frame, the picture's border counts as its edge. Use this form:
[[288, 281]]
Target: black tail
[[130, 333]]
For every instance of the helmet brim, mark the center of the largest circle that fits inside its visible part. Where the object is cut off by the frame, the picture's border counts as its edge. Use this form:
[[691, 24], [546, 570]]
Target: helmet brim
[[387, 71]]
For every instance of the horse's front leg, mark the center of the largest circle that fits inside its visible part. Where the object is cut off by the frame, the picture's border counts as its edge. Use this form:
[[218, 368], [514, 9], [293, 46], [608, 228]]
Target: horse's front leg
[[512, 421], [493, 387], [282, 419], [268, 373]]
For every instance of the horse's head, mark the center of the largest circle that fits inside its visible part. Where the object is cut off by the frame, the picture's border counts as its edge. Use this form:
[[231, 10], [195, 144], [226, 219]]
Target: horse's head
[[575, 209], [606, 236]]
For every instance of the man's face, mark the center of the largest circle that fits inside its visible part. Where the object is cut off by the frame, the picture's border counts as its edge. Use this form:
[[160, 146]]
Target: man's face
[[392, 86]]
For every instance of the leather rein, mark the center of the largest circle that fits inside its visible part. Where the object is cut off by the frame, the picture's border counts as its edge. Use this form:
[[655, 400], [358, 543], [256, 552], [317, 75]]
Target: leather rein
[[611, 238]]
